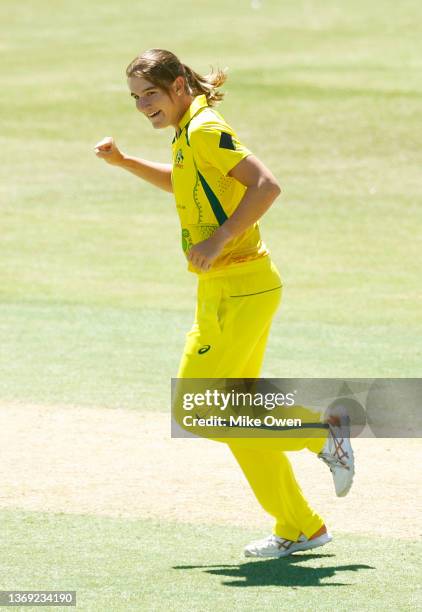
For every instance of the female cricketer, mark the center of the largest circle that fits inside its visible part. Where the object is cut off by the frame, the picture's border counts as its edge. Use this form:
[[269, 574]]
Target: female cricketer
[[221, 190]]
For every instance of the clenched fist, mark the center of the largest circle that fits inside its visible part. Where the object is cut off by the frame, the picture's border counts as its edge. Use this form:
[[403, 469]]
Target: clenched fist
[[109, 151]]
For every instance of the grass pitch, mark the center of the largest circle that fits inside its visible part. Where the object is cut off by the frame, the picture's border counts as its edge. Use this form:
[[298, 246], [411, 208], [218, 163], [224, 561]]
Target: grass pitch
[[141, 565], [93, 274]]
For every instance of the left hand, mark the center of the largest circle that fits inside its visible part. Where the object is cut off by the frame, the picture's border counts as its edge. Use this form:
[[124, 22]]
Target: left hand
[[203, 254]]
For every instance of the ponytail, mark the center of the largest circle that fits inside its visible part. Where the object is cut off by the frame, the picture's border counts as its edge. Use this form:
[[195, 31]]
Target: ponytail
[[207, 85]]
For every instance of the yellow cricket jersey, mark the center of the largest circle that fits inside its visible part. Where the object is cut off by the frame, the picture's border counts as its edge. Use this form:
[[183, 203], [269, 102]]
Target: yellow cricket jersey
[[205, 149]]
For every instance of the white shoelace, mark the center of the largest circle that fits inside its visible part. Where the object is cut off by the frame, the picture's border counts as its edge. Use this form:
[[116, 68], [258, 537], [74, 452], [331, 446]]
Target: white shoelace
[[331, 460]]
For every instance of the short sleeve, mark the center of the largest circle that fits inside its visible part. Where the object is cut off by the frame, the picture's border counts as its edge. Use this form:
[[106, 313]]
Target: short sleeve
[[213, 146]]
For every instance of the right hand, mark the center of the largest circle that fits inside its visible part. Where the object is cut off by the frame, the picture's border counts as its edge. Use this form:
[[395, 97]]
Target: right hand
[[109, 151]]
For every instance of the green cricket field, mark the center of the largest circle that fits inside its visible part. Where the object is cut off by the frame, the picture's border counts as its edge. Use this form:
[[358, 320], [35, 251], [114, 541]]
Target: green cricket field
[[95, 300]]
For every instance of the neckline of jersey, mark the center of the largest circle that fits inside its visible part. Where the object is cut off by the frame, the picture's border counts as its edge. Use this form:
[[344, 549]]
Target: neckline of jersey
[[197, 104]]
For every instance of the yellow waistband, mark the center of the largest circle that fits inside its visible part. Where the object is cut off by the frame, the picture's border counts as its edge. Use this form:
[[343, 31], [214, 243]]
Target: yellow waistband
[[246, 267]]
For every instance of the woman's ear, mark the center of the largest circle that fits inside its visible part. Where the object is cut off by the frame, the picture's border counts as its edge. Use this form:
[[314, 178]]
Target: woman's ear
[[179, 86]]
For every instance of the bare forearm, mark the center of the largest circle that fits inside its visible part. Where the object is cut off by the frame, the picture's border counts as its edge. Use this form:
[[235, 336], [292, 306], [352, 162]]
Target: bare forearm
[[153, 172], [256, 201]]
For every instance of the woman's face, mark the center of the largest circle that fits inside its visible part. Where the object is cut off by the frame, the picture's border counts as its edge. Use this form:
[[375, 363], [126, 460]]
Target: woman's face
[[157, 105]]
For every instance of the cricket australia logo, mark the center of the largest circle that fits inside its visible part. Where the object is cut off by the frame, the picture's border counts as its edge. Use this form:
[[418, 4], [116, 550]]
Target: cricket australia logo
[[178, 161], [186, 240]]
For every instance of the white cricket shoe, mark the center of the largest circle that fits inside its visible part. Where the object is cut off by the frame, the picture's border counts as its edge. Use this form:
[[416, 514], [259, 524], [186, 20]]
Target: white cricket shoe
[[274, 546], [337, 452]]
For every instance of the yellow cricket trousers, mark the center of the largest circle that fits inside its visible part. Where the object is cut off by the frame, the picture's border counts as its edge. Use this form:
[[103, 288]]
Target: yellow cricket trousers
[[233, 316]]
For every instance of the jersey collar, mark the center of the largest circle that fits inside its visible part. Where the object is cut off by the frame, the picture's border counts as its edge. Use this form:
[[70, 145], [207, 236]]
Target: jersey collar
[[197, 103]]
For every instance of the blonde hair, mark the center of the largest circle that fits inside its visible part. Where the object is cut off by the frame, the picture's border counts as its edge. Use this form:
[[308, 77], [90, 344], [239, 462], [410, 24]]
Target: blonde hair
[[162, 67]]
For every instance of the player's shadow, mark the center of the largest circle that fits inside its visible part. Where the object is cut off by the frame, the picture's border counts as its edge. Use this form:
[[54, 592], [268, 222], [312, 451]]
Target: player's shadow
[[278, 572]]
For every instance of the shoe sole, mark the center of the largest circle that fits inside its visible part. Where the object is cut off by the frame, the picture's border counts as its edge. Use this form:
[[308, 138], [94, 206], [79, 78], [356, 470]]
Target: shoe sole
[[344, 430], [345, 423], [323, 539], [345, 491]]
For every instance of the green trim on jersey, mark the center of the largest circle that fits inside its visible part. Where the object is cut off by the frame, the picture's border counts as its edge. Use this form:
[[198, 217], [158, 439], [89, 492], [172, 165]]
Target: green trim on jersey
[[218, 210]]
